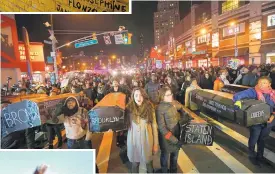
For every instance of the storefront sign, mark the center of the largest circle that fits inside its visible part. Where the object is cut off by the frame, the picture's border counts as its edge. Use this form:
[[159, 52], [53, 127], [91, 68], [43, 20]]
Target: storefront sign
[[215, 39], [199, 52], [231, 30], [204, 38], [188, 44], [194, 45], [179, 47], [271, 20], [36, 52], [234, 63]]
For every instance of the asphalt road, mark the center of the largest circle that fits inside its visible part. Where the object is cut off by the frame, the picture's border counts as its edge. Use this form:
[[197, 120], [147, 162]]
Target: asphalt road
[[229, 153]]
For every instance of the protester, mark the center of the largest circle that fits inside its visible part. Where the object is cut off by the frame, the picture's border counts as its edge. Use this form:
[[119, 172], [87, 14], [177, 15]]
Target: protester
[[221, 81], [142, 139], [169, 129], [152, 88], [251, 77], [188, 103], [259, 132]]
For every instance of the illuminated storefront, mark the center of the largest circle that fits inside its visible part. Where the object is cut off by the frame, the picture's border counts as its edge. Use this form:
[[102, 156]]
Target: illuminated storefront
[[37, 61]]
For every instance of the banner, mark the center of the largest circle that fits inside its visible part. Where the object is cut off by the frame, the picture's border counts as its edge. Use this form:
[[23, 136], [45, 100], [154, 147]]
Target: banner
[[108, 114], [197, 133], [119, 39], [19, 116], [107, 40]]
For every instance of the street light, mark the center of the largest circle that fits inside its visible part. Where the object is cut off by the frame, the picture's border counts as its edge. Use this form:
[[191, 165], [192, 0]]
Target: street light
[[113, 57], [83, 64], [159, 51], [64, 67], [203, 31], [96, 58], [233, 24]]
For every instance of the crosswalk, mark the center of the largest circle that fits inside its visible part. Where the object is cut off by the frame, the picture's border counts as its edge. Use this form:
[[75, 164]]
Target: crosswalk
[[228, 154]]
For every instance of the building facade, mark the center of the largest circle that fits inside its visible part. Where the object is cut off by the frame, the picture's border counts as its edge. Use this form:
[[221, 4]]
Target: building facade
[[224, 33], [166, 18]]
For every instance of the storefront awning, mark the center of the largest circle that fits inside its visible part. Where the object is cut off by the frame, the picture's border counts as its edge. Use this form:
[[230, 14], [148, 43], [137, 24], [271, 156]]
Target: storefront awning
[[230, 53], [36, 66], [267, 48]]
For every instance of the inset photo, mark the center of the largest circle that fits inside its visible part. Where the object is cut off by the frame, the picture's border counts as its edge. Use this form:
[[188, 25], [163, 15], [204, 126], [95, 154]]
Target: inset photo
[[90, 6], [47, 161]]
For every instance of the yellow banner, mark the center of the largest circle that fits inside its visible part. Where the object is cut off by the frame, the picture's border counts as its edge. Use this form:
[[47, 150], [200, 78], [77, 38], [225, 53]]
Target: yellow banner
[[64, 6]]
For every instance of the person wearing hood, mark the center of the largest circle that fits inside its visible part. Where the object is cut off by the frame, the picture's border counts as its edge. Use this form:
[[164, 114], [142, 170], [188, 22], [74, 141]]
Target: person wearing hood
[[258, 132], [188, 103], [206, 82], [152, 88], [221, 81], [76, 125], [272, 76], [250, 79], [142, 138]]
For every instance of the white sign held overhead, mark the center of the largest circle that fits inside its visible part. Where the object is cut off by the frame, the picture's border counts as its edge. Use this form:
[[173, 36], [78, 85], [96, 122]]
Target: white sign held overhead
[[47, 42], [52, 54], [119, 39], [107, 40]]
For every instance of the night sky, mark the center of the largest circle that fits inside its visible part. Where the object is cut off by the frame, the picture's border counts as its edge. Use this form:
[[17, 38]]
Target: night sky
[[140, 21]]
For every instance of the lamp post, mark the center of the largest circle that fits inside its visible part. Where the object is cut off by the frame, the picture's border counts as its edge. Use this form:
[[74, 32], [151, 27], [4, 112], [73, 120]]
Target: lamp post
[[235, 31]]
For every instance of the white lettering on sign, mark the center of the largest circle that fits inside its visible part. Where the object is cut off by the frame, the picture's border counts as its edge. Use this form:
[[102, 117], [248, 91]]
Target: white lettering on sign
[[20, 117], [23, 55], [257, 114], [96, 121], [198, 134]]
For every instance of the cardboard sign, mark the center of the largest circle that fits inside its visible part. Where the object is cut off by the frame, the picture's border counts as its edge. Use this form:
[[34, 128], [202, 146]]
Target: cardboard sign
[[64, 83], [19, 116], [108, 113], [65, 6], [197, 134]]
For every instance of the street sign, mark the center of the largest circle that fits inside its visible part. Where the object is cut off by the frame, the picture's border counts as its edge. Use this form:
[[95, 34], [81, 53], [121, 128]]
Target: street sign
[[47, 42], [86, 43]]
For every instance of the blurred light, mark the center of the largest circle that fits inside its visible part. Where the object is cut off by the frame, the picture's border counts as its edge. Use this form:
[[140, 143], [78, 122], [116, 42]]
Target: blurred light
[[91, 63], [47, 68], [114, 56], [232, 23], [159, 50], [96, 58], [203, 31], [68, 44], [64, 67], [71, 66], [83, 64], [78, 63]]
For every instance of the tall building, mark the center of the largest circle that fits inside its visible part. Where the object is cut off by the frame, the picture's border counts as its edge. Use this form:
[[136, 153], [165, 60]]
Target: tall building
[[141, 44], [166, 18]]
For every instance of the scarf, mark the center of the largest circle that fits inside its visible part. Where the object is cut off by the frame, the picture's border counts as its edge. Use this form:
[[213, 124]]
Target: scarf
[[260, 93], [145, 111]]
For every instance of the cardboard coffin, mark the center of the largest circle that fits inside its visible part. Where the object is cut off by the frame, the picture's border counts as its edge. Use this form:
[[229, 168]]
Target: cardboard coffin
[[232, 89], [108, 114], [221, 105]]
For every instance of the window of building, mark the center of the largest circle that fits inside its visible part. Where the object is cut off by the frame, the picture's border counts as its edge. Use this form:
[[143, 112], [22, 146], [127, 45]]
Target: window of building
[[230, 5], [189, 64], [202, 63], [271, 20], [215, 40], [204, 38], [230, 30]]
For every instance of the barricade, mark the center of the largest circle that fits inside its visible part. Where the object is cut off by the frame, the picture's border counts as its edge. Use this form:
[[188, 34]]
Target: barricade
[[233, 89]]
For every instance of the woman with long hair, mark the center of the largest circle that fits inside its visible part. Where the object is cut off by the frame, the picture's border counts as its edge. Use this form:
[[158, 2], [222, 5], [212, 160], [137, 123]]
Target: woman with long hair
[[168, 118], [142, 138]]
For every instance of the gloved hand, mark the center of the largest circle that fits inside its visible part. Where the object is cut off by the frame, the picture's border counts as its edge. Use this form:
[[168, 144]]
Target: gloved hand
[[179, 144], [237, 105]]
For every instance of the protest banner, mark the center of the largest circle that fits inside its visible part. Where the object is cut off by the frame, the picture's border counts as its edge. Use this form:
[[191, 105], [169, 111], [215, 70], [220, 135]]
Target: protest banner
[[19, 116], [108, 113]]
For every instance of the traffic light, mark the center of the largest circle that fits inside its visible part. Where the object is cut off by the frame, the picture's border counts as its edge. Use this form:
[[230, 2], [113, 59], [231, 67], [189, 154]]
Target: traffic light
[[130, 38], [94, 36]]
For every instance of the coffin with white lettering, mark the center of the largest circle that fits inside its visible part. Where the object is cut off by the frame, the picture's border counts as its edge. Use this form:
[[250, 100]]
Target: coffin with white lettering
[[233, 89], [197, 134], [19, 116], [252, 112], [108, 113]]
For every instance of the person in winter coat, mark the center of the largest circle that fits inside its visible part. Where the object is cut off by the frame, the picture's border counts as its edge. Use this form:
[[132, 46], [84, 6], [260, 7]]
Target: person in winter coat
[[75, 119], [272, 76], [173, 85], [250, 79], [242, 73], [168, 119], [188, 103], [206, 82], [142, 138], [152, 88], [259, 132], [221, 81]]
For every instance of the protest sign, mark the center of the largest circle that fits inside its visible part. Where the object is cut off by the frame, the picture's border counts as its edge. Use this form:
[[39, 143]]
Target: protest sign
[[108, 113], [197, 133], [19, 116]]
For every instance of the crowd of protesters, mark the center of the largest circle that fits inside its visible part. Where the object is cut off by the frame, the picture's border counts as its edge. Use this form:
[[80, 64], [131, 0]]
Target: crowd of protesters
[[154, 110]]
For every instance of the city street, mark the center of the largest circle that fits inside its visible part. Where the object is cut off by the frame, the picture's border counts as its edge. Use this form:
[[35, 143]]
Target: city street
[[229, 153]]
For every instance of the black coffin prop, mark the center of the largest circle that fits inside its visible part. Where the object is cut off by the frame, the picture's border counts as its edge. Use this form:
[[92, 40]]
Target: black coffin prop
[[108, 114], [197, 133], [232, 89], [220, 104], [252, 112]]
